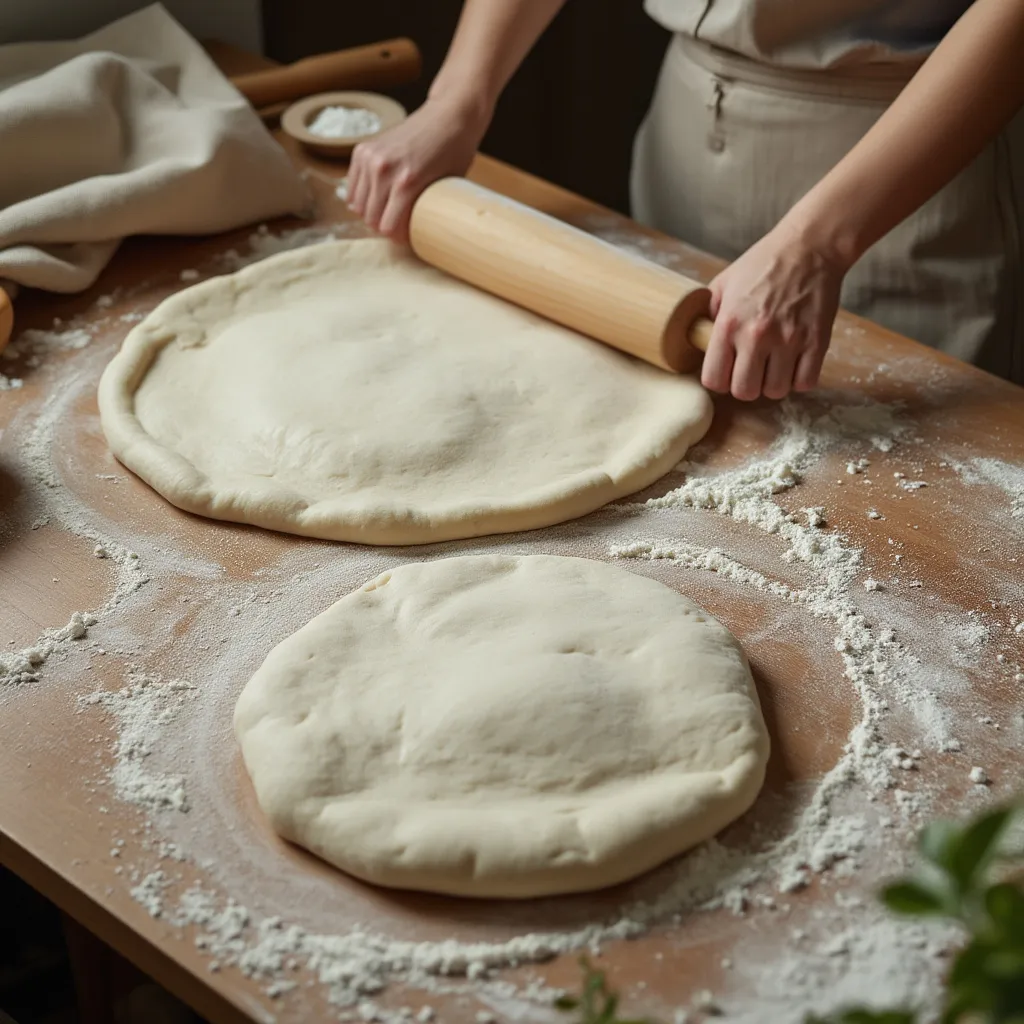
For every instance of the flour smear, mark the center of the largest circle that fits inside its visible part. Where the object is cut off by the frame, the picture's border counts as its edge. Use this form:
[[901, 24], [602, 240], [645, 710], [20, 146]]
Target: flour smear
[[782, 538]]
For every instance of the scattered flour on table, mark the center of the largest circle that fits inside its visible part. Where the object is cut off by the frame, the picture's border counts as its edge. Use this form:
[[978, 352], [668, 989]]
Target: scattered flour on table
[[869, 654], [857, 965], [142, 709], [25, 666], [1009, 478], [52, 504], [264, 243], [34, 344]]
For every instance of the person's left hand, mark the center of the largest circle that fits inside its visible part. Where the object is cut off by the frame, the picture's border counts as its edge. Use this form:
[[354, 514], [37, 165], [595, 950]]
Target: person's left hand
[[773, 311]]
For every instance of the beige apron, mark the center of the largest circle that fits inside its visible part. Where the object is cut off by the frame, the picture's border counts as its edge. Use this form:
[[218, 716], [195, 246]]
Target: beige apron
[[730, 144]]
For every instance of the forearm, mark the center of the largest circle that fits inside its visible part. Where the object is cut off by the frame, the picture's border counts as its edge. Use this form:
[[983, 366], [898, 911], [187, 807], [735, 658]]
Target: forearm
[[966, 91], [491, 41]]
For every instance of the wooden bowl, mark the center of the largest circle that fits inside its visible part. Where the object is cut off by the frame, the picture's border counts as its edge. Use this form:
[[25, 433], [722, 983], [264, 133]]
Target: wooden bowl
[[299, 116]]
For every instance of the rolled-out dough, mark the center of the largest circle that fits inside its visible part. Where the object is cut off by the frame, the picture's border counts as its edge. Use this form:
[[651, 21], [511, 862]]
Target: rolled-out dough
[[350, 392], [504, 726]]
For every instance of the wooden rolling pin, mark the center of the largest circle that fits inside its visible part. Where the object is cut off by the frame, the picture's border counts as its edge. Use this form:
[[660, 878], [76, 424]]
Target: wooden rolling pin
[[378, 66], [551, 268], [6, 314]]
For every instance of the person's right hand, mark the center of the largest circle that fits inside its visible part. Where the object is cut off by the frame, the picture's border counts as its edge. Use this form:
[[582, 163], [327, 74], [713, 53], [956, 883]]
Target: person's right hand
[[388, 172]]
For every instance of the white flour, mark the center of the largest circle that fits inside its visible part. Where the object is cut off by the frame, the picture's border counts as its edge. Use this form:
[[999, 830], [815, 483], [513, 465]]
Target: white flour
[[264, 243], [142, 708], [1008, 478], [722, 535], [344, 123], [25, 666]]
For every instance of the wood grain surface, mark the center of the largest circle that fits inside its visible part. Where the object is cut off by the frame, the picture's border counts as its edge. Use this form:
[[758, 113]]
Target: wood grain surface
[[960, 551]]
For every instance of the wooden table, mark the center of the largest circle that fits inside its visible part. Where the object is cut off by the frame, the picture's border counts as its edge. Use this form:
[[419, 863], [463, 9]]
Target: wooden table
[[956, 586]]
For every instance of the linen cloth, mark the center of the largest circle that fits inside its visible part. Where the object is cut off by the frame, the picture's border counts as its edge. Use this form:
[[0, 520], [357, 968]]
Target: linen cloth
[[129, 130]]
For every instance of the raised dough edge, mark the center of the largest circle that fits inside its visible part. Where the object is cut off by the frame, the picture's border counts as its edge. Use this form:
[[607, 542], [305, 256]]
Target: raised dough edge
[[276, 508]]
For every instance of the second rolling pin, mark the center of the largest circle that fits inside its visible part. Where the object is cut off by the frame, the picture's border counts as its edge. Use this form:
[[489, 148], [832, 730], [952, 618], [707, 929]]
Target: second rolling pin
[[565, 274], [378, 66]]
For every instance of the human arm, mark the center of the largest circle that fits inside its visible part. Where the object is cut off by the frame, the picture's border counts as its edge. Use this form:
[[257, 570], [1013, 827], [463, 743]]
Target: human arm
[[388, 172], [774, 306]]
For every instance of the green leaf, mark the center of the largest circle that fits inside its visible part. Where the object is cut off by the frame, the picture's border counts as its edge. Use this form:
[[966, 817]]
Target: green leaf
[[1005, 906], [608, 1013], [936, 840], [969, 967], [913, 898], [566, 1003], [1007, 965], [972, 849]]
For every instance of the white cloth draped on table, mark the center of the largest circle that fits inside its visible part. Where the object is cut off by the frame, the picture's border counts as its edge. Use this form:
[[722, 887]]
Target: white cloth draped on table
[[130, 130]]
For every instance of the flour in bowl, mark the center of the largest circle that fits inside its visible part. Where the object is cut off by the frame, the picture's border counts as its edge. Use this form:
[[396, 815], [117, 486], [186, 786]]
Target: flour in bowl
[[345, 123]]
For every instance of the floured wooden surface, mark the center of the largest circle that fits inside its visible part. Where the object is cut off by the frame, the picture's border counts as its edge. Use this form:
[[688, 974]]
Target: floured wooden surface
[[866, 545]]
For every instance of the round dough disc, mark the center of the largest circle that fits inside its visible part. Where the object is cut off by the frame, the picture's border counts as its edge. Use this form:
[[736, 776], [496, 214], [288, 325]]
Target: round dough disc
[[350, 392], [504, 726]]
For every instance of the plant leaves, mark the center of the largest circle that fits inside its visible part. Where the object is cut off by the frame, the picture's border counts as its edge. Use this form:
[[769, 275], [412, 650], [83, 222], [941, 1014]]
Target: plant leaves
[[971, 850], [1007, 965], [913, 898], [593, 984], [611, 1004], [1005, 906], [969, 967], [566, 1003], [935, 842]]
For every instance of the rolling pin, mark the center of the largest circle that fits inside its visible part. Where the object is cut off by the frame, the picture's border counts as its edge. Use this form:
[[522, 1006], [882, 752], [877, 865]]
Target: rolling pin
[[7, 290], [378, 66], [566, 275]]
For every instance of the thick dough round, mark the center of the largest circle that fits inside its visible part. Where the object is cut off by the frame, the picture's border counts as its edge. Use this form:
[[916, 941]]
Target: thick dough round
[[504, 726], [350, 392]]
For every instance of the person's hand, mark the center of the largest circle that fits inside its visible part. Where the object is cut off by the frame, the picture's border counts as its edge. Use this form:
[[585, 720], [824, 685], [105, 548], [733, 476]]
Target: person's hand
[[773, 311], [388, 172]]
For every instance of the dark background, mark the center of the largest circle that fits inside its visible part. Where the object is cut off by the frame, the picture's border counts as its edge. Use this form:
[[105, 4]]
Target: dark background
[[570, 113]]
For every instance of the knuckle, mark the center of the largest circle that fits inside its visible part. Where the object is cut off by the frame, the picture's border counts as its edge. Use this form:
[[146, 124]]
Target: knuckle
[[381, 162], [405, 180]]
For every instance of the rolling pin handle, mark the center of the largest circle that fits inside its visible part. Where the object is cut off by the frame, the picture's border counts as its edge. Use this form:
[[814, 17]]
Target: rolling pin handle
[[700, 333]]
